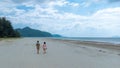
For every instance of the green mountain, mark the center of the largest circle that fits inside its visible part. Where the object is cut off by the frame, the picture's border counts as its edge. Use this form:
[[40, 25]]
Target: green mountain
[[29, 32]]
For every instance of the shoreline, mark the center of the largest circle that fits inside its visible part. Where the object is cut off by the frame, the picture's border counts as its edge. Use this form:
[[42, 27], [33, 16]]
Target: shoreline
[[104, 45]]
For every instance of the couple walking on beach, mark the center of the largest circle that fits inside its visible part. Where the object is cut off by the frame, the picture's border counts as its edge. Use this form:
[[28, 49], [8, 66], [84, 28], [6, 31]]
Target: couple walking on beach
[[38, 47]]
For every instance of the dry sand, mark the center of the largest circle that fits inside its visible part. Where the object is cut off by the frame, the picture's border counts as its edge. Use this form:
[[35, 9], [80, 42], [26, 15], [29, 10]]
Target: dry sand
[[21, 53]]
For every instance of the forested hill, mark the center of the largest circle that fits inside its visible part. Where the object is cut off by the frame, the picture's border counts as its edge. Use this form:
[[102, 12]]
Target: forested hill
[[6, 29], [29, 32]]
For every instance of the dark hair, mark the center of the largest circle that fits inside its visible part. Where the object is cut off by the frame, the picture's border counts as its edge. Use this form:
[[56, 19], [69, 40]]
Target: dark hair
[[37, 41], [44, 42]]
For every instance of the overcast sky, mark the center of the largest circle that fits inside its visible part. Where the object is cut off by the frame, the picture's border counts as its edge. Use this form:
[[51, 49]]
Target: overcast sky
[[73, 18]]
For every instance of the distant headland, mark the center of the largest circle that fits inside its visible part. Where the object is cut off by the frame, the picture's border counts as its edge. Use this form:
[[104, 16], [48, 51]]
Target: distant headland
[[29, 32], [7, 30]]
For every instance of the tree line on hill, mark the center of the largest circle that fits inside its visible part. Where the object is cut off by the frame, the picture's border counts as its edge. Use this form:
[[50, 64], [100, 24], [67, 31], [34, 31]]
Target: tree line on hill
[[6, 29], [29, 32]]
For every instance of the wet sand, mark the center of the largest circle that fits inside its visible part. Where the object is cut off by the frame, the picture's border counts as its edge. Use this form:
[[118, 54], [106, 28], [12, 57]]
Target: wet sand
[[21, 53]]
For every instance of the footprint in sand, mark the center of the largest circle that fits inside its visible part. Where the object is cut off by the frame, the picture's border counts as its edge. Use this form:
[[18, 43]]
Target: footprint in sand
[[83, 47], [102, 51], [119, 54]]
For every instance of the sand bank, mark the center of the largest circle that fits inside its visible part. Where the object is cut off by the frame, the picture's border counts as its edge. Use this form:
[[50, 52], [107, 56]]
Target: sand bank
[[21, 53], [104, 45]]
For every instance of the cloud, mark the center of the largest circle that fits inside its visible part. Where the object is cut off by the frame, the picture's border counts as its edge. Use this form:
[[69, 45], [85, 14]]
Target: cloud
[[104, 22], [89, 3], [111, 1], [23, 1], [62, 3], [49, 2], [86, 4], [19, 1], [74, 4], [57, 3]]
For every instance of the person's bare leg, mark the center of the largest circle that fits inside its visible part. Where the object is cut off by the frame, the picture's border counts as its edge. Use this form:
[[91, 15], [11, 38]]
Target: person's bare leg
[[44, 51], [37, 51]]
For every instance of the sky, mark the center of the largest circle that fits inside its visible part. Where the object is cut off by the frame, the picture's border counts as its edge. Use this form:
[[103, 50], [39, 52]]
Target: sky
[[71, 18]]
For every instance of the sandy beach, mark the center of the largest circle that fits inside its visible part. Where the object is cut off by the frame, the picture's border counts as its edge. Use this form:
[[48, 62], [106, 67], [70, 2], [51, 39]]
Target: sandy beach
[[21, 53]]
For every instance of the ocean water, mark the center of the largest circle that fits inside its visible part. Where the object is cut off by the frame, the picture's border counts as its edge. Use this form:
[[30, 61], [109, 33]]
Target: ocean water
[[107, 40]]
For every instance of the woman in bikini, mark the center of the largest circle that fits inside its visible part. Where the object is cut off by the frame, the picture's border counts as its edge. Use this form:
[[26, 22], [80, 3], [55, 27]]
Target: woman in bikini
[[44, 47], [38, 47]]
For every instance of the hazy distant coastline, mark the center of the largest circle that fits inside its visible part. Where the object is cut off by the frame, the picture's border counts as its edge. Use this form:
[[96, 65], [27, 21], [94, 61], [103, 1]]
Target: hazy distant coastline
[[110, 40], [29, 32]]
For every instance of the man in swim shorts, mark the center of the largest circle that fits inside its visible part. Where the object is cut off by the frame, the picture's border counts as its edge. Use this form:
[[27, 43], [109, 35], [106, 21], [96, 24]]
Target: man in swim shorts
[[38, 47]]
